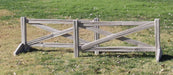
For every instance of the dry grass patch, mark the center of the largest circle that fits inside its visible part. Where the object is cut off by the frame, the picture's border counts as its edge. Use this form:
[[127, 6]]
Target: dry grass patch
[[5, 12]]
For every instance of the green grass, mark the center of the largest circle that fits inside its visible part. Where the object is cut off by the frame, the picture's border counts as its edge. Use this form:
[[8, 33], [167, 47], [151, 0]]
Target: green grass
[[54, 61]]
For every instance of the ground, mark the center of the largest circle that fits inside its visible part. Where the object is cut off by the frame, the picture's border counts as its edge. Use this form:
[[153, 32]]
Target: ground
[[54, 61]]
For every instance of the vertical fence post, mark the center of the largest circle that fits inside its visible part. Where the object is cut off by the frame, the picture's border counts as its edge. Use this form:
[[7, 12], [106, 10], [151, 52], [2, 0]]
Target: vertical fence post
[[24, 33], [23, 30], [158, 52], [96, 35], [23, 45], [76, 38]]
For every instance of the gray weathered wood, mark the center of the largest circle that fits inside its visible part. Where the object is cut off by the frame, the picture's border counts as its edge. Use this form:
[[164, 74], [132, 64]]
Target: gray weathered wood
[[116, 35], [23, 45], [53, 21], [125, 39], [93, 26], [123, 49], [47, 28], [158, 50], [86, 22], [54, 34], [76, 39], [96, 35], [44, 27], [66, 45], [19, 49], [23, 30], [50, 21], [114, 23]]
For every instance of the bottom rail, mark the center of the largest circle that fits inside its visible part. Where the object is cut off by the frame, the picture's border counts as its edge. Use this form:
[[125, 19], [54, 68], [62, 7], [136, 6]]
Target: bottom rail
[[67, 45], [123, 49]]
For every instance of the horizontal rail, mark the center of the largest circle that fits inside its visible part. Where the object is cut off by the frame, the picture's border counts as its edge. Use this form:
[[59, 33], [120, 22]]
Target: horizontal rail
[[115, 23], [53, 21], [67, 45], [88, 22], [50, 21], [123, 49]]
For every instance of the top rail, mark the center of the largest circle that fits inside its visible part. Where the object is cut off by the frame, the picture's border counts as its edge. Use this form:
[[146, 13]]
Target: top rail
[[89, 22], [115, 23], [54, 21], [50, 21]]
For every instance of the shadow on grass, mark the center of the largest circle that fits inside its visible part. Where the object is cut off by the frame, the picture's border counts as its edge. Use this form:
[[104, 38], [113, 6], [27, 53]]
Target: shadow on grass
[[122, 55], [58, 50], [166, 58]]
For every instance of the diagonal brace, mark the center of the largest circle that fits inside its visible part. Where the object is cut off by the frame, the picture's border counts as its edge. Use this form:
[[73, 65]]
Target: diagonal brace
[[125, 39], [116, 35], [46, 37], [47, 28]]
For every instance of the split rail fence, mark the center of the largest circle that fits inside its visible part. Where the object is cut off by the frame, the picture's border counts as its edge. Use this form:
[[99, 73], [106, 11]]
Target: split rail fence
[[83, 45]]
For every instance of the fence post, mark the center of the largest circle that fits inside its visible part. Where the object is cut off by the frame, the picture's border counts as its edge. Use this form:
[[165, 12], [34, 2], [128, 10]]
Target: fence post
[[24, 33], [23, 30], [76, 38], [158, 52], [23, 45], [96, 35]]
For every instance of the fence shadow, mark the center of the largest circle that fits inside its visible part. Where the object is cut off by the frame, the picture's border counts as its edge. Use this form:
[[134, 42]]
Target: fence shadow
[[166, 58], [121, 55], [57, 50]]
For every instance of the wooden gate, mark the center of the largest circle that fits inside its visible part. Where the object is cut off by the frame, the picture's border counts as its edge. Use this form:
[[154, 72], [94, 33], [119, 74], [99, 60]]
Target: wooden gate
[[80, 44], [94, 45]]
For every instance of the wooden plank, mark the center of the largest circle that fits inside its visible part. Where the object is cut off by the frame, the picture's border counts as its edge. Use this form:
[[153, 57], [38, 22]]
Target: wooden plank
[[158, 50], [44, 27], [115, 23], [123, 49], [117, 35], [47, 28], [76, 39], [50, 21], [55, 34], [19, 49], [96, 35], [125, 39], [66, 45], [53, 21]]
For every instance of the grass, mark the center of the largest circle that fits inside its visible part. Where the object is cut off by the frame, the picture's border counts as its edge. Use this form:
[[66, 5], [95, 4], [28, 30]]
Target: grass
[[54, 61]]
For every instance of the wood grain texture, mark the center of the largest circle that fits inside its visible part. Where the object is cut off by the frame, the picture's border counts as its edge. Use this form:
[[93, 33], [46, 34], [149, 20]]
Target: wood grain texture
[[50, 21], [123, 49], [114, 23], [96, 35], [23, 30], [64, 45], [158, 50], [54, 21], [76, 39]]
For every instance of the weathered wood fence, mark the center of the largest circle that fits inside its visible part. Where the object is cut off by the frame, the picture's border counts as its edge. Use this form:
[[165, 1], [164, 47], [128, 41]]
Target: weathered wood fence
[[83, 45]]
